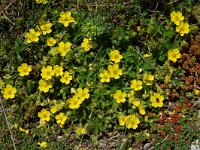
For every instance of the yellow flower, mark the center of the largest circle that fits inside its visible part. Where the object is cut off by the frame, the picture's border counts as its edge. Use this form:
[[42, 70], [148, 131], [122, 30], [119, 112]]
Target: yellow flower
[[142, 109], [173, 55], [147, 55], [134, 101], [157, 100], [114, 71], [47, 72], [74, 102], [86, 44], [148, 78], [45, 28], [176, 17], [54, 109], [122, 120], [136, 85], [196, 92], [119, 96], [132, 121], [80, 131], [32, 36], [66, 18], [41, 1], [115, 56], [24, 69], [105, 76], [51, 41], [58, 70], [15, 126], [64, 48], [61, 118], [183, 28], [132, 92], [24, 130], [43, 144], [66, 78], [82, 93], [44, 86], [44, 115], [9, 92]]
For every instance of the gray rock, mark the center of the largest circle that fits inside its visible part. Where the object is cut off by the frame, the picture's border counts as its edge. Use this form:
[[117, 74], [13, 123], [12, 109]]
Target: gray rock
[[195, 145]]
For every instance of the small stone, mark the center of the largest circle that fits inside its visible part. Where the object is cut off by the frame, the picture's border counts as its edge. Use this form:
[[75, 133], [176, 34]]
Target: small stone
[[146, 146]]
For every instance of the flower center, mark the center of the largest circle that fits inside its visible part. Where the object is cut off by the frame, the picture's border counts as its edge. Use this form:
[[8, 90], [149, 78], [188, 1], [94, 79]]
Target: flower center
[[174, 55], [25, 70], [48, 72], [116, 56], [157, 100], [45, 116], [115, 72], [75, 102], [9, 92], [120, 97]]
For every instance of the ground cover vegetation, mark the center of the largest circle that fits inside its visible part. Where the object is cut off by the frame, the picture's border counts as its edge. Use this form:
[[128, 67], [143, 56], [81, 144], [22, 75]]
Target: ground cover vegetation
[[83, 74]]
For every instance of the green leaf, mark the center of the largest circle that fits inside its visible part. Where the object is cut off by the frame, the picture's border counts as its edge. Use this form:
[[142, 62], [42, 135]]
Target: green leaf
[[169, 33]]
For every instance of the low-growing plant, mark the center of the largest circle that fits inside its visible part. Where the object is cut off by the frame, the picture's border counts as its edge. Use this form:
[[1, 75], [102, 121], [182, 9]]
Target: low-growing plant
[[80, 75]]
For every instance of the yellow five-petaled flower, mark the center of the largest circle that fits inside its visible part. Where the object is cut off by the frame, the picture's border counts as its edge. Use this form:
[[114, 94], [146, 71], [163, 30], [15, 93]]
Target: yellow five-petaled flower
[[176, 17], [173, 55], [58, 70], [119, 96], [66, 18], [74, 102], [61, 118], [51, 41], [66, 77], [44, 85], [24, 69], [44, 115], [183, 28], [130, 121], [136, 85], [47, 72], [105, 76], [86, 44], [115, 56], [32, 36], [157, 100], [64, 48], [9, 92], [82, 94], [114, 71], [45, 27]]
